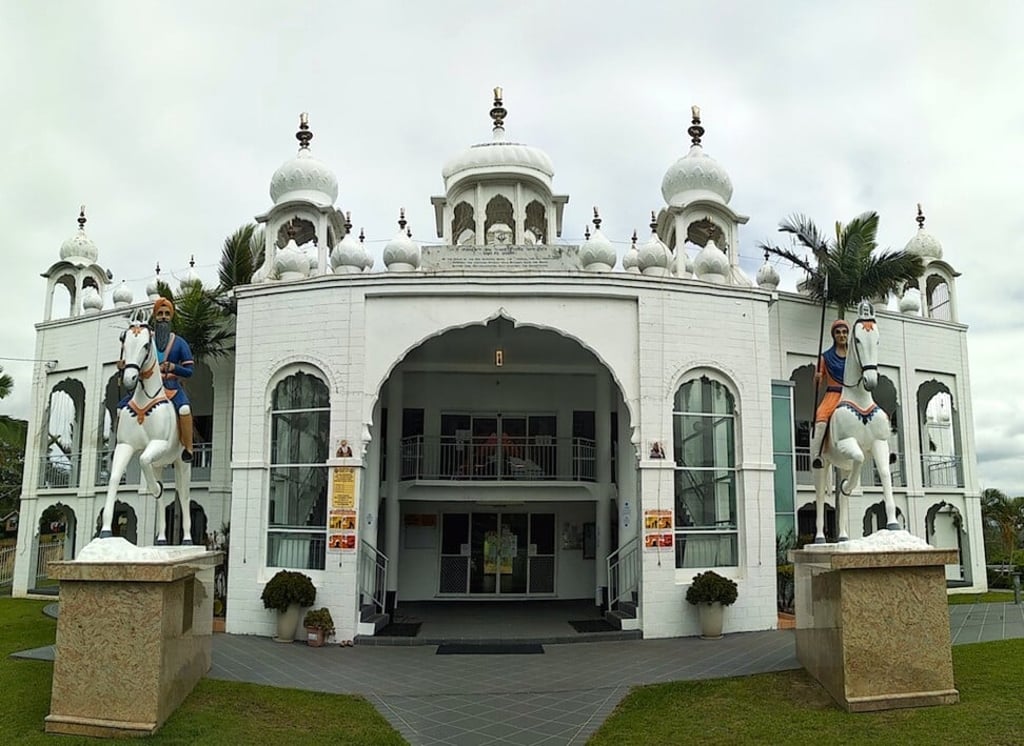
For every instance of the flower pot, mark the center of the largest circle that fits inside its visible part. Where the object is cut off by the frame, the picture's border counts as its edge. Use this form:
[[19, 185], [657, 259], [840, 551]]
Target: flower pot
[[710, 620], [315, 637], [288, 623]]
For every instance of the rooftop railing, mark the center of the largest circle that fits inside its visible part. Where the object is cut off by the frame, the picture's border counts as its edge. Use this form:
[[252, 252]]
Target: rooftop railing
[[539, 458]]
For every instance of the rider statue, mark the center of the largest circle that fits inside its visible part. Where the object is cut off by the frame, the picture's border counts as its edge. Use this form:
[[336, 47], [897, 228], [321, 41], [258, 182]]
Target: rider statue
[[175, 358], [831, 366]]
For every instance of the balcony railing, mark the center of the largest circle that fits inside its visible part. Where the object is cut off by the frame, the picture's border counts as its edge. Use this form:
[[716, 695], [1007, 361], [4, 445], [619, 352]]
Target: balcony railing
[[942, 471], [497, 459], [59, 470], [869, 474], [202, 460]]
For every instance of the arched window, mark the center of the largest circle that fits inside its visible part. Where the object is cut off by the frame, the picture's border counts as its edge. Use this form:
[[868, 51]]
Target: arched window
[[704, 449], [939, 301], [500, 223], [463, 225], [536, 223], [297, 513], [62, 440]]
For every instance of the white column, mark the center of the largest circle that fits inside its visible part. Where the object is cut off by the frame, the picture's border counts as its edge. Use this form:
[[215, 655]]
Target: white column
[[627, 480], [603, 454], [394, 446], [371, 490]]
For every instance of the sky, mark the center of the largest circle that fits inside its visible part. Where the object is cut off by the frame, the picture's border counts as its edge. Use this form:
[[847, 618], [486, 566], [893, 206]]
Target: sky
[[167, 120]]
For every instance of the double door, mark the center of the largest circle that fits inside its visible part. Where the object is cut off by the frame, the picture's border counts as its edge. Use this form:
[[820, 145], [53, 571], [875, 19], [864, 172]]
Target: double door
[[497, 553]]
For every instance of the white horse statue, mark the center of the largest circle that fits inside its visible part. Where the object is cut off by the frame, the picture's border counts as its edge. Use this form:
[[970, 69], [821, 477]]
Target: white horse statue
[[148, 425], [857, 426]]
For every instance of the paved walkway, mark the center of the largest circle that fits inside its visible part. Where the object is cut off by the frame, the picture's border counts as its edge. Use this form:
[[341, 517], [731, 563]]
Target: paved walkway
[[561, 697]]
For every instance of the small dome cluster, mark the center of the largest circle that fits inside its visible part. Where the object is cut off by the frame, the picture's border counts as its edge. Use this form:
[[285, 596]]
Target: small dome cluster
[[402, 254], [349, 255], [597, 253]]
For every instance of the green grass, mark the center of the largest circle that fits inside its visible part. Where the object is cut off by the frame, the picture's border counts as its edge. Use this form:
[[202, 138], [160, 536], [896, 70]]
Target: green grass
[[217, 712], [992, 597], [792, 708]]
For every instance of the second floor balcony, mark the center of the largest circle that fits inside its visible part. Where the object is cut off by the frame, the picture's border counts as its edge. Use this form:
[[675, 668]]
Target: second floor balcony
[[493, 458]]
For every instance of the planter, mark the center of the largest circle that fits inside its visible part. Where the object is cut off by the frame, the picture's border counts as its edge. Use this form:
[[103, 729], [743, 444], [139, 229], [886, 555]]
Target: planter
[[288, 623], [711, 620], [315, 637]]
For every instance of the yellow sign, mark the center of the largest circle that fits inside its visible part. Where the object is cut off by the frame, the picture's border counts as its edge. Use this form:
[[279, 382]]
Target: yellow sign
[[343, 487]]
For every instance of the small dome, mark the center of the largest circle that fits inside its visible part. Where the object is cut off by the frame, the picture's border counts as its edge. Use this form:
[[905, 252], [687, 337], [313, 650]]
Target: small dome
[[696, 175], [631, 259], [654, 258], [910, 302], [349, 255], [402, 254], [153, 288], [122, 295], [923, 244], [499, 154], [191, 276], [79, 249], [767, 275], [291, 262], [597, 253], [711, 264], [304, 177], [92, 301]]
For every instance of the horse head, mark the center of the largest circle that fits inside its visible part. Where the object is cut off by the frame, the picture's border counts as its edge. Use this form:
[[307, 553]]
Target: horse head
[[137, 355], [864, 340]]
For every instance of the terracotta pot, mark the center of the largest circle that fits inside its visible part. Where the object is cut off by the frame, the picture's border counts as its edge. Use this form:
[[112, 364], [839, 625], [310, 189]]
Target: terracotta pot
[[315, 637], [711, 620], [288, 623]]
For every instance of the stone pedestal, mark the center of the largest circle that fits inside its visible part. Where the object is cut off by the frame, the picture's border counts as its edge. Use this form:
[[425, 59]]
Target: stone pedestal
[[873, 627], [133, 638]]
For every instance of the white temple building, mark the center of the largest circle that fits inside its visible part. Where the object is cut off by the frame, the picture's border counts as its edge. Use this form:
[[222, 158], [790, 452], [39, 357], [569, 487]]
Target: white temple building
[[501, 415]]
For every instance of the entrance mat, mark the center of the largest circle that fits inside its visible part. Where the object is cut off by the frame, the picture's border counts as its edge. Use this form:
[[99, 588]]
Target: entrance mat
[[510, 648], [400, 629], [593, 625]]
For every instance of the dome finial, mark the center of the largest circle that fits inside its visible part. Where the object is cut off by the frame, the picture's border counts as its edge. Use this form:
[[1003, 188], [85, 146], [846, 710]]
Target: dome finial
[[654, 222], [586, 232], [634, 238], [401, 218], [920, 217], [362, 235], [81, 218], [498, 112], [304, 135], [597, 219], [695, 131], [348, 223], [158, 269], [192, 261]]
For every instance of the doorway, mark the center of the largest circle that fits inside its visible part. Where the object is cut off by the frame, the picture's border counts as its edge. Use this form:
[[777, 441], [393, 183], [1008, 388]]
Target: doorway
[[496, 554]]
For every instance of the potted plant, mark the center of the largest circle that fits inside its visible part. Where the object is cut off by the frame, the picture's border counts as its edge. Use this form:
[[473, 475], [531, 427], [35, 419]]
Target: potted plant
[[710, 592], [287, 592], [319, 626]]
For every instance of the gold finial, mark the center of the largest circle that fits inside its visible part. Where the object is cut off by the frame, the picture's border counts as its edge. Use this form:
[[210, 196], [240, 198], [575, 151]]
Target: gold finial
[[695, 131], [497, 92], [695, 111], [920, 217], [401, 218], [498, 112], [348, 223], [654, 222], [304, 135], [81, 218], [597, 220]]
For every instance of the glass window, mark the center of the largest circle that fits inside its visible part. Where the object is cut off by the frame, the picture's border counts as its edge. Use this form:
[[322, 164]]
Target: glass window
[[704, 449], [297, 515]]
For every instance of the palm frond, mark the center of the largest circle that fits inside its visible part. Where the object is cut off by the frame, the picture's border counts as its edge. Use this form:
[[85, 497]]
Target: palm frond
[[240, 256], [200, 321]]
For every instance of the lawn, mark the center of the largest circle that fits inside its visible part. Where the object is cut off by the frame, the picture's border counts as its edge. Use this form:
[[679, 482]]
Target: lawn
[[992, 597], [217, 712]]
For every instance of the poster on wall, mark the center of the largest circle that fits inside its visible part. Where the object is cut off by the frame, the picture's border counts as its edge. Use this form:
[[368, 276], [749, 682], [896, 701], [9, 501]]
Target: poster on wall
[[341, 530], [343, 488], [658, 533]]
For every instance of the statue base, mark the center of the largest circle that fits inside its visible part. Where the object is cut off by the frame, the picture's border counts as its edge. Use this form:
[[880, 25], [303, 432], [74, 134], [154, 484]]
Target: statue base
[[134, 636], [873, 626]]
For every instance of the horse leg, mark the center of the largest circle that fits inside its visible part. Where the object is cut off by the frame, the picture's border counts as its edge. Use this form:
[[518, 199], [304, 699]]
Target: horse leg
[[156, 487], [182, 482], [820, 486], [118, 463], [880, 452], [847, 483]]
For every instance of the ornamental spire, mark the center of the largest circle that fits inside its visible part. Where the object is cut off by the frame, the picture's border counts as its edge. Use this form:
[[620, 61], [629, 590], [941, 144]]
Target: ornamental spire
[[304, 135], [695, 131], [498, 112], [920, 217], [81, 218]]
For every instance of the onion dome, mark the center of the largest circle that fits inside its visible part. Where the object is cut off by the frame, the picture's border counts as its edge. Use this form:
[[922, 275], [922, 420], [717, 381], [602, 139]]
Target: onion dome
[[191, 276], [910, 302], [767, 275], [79, 249], [711, 264], [291, 262], [923, 244], [402, 254], [696, 175], [304, 177], [631, 260], [499, 155], [654, 258], [349, 255], [92, 301], [153, 288], [597, 253], [122, 295]]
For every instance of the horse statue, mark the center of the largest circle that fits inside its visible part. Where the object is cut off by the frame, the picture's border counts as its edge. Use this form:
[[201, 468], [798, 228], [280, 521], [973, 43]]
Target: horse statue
[[857, 426], [147, 424]]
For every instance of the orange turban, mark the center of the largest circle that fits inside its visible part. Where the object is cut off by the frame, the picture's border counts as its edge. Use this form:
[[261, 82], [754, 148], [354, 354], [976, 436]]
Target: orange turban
[[835, 324], [161, 302]]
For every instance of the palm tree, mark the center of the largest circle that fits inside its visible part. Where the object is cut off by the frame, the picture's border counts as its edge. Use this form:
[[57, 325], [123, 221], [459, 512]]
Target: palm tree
[[6, 384], [1006, 515], [846, 268], [241, 256], [200, 320]]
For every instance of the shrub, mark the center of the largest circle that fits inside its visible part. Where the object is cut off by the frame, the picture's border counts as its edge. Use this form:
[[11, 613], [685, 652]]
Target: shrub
[[320, 619], [288, 587], [709, 587]]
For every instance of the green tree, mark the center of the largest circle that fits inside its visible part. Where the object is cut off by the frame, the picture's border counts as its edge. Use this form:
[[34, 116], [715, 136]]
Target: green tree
[[6, 384], [12, 461], [1006, 516], [850, 262], [240, 257]]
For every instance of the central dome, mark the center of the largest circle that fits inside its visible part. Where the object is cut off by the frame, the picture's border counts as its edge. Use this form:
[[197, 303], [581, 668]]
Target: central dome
[[696, 175], [499, 155], [304, 177]]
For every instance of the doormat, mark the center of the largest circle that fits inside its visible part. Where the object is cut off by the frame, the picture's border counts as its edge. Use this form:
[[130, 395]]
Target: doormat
[[400, 629], [593, 625], [512, 648]]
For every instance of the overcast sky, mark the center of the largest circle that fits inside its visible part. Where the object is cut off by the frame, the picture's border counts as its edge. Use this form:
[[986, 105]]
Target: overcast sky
[[168, 119]]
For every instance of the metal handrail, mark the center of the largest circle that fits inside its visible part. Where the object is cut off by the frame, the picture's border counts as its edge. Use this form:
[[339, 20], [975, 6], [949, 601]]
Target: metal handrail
[[373, 574], [59, 470], [541, 458], [623, 573], [942, 471]]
